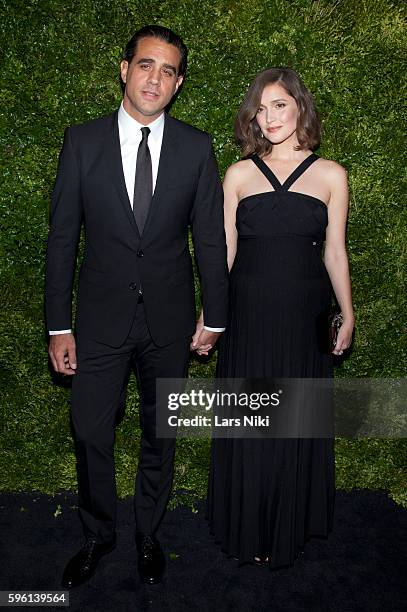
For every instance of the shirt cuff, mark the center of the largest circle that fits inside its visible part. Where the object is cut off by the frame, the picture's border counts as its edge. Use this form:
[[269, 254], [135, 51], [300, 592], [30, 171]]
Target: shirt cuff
[[62, 331], [214, 329]]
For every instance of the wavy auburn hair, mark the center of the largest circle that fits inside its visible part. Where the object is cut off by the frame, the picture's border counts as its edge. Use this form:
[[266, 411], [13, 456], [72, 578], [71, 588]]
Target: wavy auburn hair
[[248, 135]]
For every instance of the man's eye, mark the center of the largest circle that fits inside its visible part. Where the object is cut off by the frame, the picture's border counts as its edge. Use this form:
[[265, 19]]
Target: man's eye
[[168, 73], [145, 66]]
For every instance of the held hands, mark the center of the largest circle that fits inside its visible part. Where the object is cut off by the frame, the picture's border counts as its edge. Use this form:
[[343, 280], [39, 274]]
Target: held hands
[[62, 352], [344, 336], [203, 340]]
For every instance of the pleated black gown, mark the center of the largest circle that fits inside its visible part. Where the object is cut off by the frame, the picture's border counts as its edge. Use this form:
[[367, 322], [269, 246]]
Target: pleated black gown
[[268, 496]]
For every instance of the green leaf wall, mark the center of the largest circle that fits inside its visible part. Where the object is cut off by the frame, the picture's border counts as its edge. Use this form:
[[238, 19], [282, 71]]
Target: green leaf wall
[[59, 66]]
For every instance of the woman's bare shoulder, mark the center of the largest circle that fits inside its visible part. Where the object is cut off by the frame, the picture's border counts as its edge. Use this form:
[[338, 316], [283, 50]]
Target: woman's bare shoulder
[[331, 168], [238, 168]]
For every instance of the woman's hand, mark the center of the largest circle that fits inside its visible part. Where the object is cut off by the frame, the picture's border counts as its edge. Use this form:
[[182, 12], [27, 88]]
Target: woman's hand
[[344, 336], [198, 329]]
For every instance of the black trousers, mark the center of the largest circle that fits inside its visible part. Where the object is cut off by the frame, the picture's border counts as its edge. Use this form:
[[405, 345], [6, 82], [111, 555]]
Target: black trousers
[[97, 391]]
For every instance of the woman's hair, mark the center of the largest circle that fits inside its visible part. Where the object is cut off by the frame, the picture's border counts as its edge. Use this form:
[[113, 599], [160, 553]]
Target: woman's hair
[[247, 132]]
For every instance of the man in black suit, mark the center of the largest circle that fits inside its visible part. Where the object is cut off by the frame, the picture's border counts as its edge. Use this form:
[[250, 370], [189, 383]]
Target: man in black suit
[[137, 179]]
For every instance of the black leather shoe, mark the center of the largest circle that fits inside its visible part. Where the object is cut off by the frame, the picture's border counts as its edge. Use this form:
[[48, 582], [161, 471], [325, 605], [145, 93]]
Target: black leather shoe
[[83, 565], [151, 560]]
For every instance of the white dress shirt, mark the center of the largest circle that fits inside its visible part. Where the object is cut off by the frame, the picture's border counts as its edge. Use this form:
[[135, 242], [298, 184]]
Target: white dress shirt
[[130, 138]]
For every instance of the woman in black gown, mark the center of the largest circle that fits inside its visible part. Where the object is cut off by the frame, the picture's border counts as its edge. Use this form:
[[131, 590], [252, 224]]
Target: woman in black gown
[[266, 497]]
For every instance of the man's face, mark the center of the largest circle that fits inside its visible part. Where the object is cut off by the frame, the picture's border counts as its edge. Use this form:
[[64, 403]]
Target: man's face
[[151, 79]]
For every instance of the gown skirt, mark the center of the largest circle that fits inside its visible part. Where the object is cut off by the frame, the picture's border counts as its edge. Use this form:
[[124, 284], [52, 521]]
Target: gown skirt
[[268, 496]]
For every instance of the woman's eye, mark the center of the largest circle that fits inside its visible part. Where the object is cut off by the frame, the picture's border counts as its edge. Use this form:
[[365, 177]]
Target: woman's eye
[[280, 105], [259, 110]]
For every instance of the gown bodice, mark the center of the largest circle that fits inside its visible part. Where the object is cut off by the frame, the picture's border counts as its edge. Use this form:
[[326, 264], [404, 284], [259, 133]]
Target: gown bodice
[[282, 212]]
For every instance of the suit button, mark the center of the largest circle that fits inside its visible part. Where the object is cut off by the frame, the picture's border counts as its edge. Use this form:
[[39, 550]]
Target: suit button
[[140, 254], [133, 286]]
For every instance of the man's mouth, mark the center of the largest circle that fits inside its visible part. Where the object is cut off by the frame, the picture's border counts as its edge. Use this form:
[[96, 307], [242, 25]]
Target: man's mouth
[[151, 95]]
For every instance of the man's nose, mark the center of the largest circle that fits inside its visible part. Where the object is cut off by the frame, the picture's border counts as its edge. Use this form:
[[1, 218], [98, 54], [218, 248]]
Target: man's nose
[[155, 76]]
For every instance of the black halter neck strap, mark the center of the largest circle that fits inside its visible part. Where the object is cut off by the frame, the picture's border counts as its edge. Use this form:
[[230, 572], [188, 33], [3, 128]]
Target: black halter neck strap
[[269, 174]]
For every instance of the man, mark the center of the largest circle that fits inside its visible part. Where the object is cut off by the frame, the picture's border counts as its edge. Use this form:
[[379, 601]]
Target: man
[[137, 179]]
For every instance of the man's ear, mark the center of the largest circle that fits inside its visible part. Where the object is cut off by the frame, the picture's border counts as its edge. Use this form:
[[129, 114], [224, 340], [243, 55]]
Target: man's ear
[[124, 66], [178, 83]]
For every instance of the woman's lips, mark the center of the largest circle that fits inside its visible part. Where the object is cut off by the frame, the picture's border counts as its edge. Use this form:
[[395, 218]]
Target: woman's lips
[[271, 130]]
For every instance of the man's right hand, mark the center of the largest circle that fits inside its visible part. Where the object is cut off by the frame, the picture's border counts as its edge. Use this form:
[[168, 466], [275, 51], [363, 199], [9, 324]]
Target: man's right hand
[[62, 352]]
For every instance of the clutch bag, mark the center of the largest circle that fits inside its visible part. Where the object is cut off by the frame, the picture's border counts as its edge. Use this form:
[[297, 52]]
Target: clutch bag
[[335, 320]]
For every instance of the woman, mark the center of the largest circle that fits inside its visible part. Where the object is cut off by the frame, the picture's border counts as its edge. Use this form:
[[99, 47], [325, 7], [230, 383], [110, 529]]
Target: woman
[[268, 496]]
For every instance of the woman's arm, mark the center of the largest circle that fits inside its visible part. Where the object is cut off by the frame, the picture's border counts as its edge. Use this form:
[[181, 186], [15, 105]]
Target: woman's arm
[[335, 257], [230, 190]]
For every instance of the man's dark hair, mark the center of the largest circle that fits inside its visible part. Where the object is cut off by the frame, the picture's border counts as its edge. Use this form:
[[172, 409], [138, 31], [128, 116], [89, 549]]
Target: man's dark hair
[[162, 33]]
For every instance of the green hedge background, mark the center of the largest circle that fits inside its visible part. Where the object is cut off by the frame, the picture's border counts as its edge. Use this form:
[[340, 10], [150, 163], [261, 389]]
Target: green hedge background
[[60, 66]]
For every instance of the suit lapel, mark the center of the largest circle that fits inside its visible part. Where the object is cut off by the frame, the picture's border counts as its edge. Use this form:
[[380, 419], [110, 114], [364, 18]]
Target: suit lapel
[[114, 168], [166, 167]]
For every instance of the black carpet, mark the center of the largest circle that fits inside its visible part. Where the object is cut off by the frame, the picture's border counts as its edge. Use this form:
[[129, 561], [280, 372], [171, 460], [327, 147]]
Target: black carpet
[[361, 566]]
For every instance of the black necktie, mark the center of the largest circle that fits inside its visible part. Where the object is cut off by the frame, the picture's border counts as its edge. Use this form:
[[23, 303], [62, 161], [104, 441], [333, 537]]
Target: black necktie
[[143, 184]]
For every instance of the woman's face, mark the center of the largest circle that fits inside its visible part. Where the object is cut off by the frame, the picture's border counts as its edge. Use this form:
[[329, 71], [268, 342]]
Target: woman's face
[[277, 114]]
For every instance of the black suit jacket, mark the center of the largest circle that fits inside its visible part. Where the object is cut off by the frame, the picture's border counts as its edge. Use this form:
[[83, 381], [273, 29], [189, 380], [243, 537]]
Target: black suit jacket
[[90, 188]]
